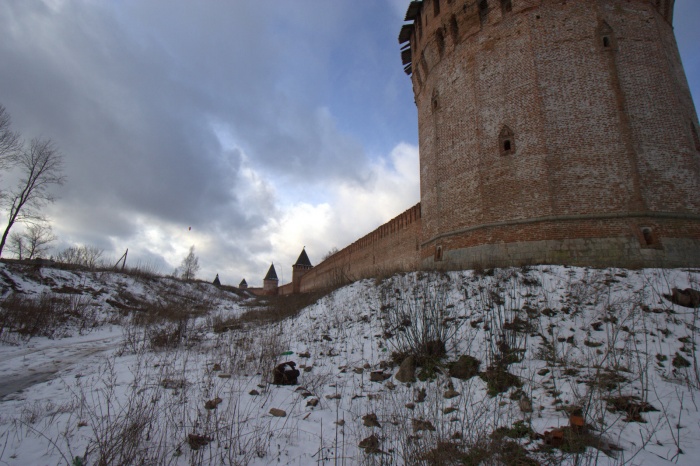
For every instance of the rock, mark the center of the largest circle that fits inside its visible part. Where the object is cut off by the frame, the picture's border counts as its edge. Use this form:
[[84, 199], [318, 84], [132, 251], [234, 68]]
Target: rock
[[451, 393], [420, 396], [308, 368], [312, 402], [378, 376], [335, 396], [326, 337], [341, 423], [554, 438], [457, 436], [449, 410], [358, 370], [577, 423], [216, 367], [278, 412], [420, 424], [525, 405], [370, 444], [285, 374], [465, 368], [370, 420], [197, 441], [304, 355], [224, 376], [254, 393], [390, 385], [407, 370], [212, 404], [411, 405], [686, 298], [305, 394]]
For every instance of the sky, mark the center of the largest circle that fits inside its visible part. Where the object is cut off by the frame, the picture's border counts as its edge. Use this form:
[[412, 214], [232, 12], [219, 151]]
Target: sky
[[249, 129]]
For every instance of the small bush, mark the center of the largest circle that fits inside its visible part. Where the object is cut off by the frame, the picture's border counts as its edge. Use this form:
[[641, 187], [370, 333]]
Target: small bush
[[47, 315], [418, 317]]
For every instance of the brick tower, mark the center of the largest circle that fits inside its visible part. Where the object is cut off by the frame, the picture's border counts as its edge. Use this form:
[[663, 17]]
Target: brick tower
[[299, 269], [270, 282], [553, 132]]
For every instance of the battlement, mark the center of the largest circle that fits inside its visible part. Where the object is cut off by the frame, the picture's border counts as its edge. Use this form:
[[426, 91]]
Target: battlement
[[435, 27], [394, 225]]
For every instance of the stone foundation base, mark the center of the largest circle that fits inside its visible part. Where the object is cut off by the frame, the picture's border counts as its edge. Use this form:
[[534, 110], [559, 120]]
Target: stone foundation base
[[594, 252], [619, 240]]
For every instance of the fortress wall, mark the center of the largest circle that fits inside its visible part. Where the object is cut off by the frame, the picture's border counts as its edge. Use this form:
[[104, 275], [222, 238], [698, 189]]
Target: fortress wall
[[392, 247], [286, 289]]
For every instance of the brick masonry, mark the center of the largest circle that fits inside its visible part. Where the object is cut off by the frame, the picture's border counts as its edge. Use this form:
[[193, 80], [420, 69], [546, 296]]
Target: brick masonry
[[550, 131], [593, 99]]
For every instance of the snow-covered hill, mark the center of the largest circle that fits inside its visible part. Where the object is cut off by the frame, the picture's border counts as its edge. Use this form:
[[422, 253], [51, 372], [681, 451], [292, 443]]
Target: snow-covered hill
[[542, 365]]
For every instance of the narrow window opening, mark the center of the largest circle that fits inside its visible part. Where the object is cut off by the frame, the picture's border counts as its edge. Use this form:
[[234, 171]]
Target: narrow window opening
[[424, 66], [438, 254], [435, 102], [606, 36], [648, 236], [483, 11], [454, 29], [506, 6], [507, 141], [696, 137], [440, 40], [436, 7]]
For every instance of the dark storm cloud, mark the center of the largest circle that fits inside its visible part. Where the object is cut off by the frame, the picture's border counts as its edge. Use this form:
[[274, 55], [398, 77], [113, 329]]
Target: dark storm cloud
[[132, 90]]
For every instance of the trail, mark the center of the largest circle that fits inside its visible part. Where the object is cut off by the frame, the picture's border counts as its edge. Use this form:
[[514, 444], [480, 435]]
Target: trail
[[40, 361]]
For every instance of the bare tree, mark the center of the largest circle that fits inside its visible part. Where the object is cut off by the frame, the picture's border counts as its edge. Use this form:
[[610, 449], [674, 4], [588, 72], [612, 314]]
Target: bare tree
[[9, 140], [84, 256], [189, 266], [40, 166], [332, 251], [32, 242]]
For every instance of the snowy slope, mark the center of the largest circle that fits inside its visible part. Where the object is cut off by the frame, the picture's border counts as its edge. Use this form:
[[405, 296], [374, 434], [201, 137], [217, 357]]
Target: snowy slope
[[556, 347]]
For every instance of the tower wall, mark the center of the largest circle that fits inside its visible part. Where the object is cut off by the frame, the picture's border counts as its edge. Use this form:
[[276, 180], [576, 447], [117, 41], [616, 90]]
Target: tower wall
[[554, 131]]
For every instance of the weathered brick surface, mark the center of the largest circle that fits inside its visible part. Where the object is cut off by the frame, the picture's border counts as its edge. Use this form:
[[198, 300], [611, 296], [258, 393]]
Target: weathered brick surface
[[596, 97]]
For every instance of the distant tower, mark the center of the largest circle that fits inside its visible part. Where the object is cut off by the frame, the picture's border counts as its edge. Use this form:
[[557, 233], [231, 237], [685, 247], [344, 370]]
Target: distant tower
[[553, 132], [243, 285], [299, 269], [216, 281], [271, 281]]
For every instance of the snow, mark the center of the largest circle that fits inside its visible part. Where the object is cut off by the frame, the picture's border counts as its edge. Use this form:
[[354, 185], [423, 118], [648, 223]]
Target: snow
[[589, 336]]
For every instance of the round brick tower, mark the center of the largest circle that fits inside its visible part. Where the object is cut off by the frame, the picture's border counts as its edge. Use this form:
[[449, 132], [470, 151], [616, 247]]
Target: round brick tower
[[553, 132]]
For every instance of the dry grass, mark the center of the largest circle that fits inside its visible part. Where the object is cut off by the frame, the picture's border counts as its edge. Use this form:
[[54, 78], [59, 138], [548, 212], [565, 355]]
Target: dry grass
[[268, 310], [48, 315]]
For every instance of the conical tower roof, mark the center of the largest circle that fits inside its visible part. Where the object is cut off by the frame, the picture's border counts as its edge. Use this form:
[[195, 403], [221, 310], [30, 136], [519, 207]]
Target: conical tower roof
[[271, 274], [243, 283], [303, 259]]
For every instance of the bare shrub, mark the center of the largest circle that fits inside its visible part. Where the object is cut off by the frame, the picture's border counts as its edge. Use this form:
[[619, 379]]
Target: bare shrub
[[46, 315], [81, 256], [418, 315], [268, 309]]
